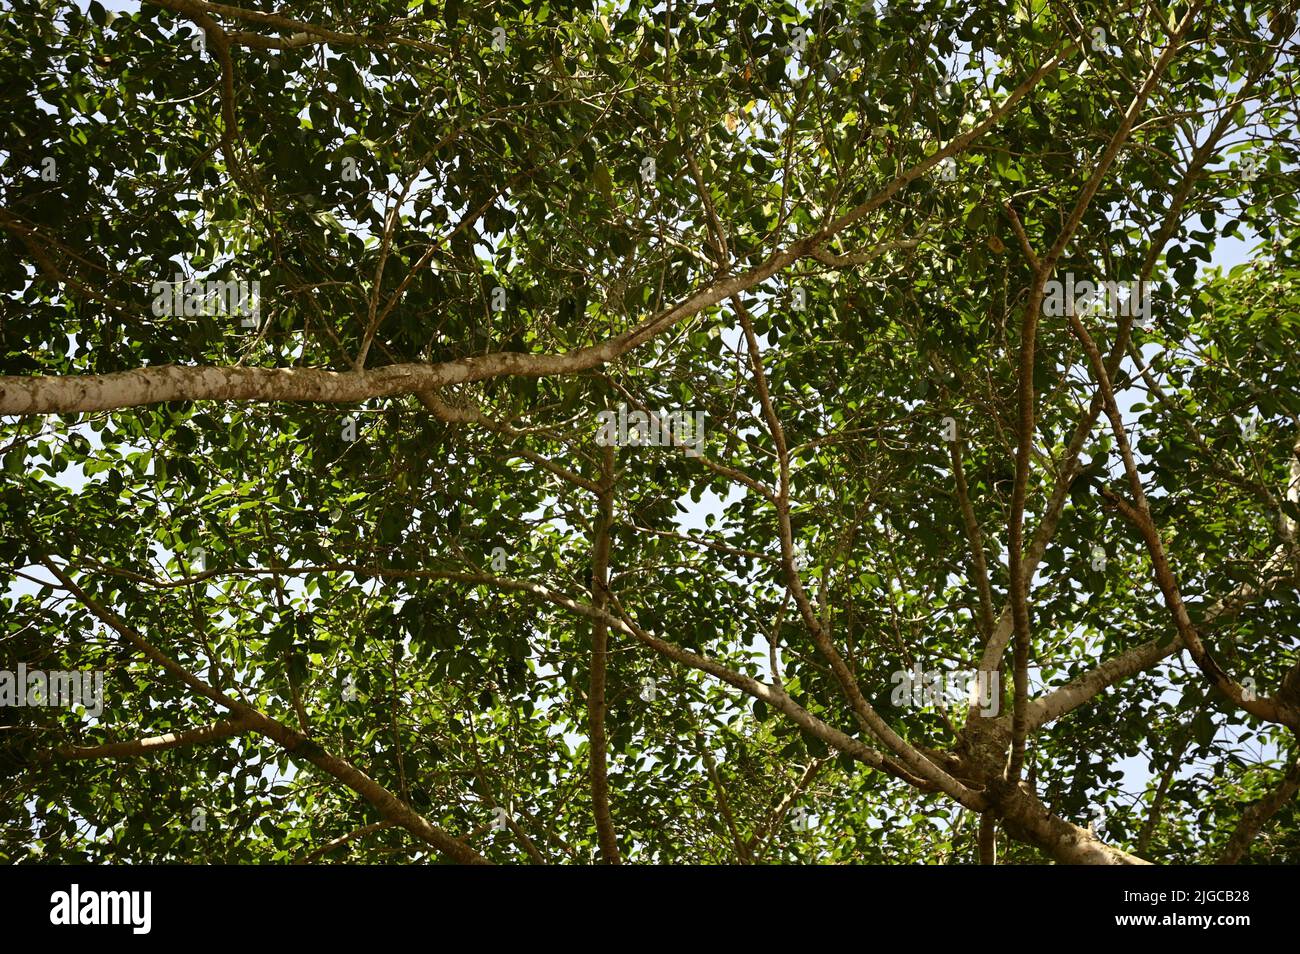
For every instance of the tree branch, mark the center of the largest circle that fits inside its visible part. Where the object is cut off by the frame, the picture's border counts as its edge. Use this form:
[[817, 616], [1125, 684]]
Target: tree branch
[[599, 657], [342, 840], [1019, 582], [70, 394], [1257, 815], [291, 740], [158, 743]]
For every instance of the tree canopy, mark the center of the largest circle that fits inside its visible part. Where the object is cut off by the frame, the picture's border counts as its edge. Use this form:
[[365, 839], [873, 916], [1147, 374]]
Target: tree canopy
[[530, 432]]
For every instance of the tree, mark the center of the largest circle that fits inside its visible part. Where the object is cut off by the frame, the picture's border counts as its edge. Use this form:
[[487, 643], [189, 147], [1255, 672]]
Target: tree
[[516, 433]]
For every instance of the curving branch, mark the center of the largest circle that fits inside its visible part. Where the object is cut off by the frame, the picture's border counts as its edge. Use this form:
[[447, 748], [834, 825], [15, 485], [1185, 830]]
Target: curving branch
[[342, 840], [71, 394], [148, 746], [301, 32], [1257, 815], [1088, 686], [291, 740]]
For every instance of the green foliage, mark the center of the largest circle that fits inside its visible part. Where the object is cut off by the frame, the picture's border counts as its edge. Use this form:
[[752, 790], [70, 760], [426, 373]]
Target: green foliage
[[352, 580]]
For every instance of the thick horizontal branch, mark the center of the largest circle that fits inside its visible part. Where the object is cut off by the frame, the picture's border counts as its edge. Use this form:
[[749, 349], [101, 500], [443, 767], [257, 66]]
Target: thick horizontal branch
[[142, 386], [77, 394], [303, 33], [849, 259], [157, 743]]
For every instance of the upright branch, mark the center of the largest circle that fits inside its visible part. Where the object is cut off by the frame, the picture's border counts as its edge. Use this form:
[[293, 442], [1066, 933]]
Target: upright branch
[[865, 713], [1069, 467], [1026, 409], [599, 657], [975, 539]]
